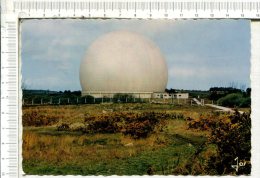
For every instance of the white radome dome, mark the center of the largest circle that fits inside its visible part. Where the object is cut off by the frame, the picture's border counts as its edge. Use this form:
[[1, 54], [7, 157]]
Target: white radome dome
[[123, 62]]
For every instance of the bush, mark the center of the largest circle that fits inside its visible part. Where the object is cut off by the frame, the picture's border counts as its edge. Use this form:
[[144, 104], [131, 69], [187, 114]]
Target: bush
[[231, 134], [233, 139], [63, 127], [34, 118], [235, 99], [102, 125], [77, 127], [203, 122], [141, 125], [137, 125], [246, 102]]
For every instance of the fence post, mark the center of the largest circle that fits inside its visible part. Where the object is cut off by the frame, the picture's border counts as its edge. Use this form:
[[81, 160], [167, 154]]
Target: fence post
[[59, 100], [41, 101], [85, 100], [68, 100], [51, 101], [32, 102]]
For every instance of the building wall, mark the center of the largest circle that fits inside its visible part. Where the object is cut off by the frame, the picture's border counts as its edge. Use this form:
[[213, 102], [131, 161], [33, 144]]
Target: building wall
[[111, 95], [163, 95]]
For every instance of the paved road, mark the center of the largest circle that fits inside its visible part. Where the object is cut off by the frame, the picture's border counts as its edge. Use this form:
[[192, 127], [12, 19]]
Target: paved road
[[225, 109], [197, 101], [221, 108]]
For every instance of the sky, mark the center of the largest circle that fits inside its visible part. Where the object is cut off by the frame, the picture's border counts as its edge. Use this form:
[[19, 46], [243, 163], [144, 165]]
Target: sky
[[199, 53]]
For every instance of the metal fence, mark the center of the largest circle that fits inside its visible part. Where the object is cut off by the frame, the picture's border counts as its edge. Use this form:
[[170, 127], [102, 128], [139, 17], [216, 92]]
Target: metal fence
[[92, 100]]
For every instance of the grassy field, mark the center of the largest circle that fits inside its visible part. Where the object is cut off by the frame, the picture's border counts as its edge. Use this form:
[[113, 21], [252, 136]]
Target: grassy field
[[171, 148]]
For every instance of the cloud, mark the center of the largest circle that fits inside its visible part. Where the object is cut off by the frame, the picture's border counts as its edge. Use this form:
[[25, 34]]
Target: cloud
[[43, 82], [198, 72], [206, 51], [49, 82]]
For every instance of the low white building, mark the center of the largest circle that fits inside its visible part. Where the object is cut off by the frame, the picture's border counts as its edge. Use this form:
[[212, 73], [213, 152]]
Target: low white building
[[165, 95]]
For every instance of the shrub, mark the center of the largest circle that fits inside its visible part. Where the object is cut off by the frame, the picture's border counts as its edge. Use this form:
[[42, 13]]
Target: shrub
[[202, 122], [141, 125], [63, 127], [138, 129], [235, 99], [102, 125], [246, 102], [231, 134], [137, 125], [233, 139], [37, 119], [77, 127]]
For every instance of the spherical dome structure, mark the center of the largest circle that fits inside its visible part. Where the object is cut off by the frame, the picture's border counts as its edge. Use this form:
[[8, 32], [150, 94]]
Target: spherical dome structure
[[123, 62]]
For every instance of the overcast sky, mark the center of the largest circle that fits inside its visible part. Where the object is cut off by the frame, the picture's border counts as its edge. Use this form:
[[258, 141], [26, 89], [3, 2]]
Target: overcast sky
[[199, 53]]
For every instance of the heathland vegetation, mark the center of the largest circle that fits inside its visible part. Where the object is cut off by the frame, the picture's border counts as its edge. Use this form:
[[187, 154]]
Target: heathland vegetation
[[134, 139]]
